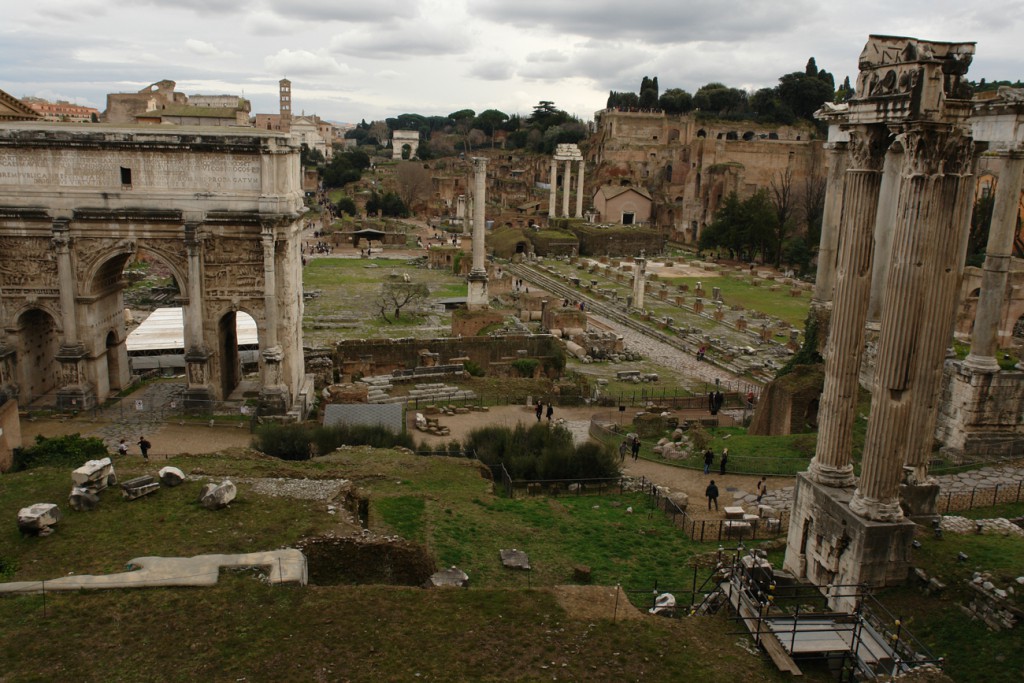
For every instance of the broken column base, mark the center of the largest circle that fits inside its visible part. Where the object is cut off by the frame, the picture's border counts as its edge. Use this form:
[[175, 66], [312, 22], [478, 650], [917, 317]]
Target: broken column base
[[920, 502], [837, 550]]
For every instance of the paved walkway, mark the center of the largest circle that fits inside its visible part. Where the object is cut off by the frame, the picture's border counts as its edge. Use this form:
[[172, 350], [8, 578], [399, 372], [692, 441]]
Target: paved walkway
[[283, 566]]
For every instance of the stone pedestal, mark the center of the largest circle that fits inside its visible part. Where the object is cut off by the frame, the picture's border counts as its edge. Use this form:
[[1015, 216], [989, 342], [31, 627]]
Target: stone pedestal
[[920, 501], [838, 550], [274, 396], [198, 393], [75, 393]]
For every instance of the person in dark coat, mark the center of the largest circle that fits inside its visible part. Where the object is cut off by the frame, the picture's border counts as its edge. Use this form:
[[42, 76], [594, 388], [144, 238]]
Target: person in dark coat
[[144, 446], [709, 457], [725, 458], [551, 411], [636, 448], [539, 411], [712, 493]]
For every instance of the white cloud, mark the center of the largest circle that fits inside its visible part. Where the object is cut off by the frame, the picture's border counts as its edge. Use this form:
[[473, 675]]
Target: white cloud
[[358, 11], [204, 49], [304, 63], [406, 39], [496, 70]]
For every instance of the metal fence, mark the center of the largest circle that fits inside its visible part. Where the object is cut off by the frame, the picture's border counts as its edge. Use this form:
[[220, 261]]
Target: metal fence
[[980, 497], [555, 487], [717, 530]]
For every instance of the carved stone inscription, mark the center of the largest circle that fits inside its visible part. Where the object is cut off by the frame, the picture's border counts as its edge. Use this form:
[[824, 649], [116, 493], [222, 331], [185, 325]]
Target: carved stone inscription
[[110, 169]]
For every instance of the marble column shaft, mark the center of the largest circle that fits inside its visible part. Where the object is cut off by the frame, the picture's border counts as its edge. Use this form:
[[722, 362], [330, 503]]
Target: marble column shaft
[[579, 191], [885, 219], [479, 214], [832, 465], [915, 326], [269, 289], [998, 253], [824, 281], [566, 187], [193, 314], [66, 283], [553, 193]]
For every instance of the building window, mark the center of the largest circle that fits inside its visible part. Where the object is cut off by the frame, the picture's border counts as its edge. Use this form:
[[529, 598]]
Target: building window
[[126, 177]]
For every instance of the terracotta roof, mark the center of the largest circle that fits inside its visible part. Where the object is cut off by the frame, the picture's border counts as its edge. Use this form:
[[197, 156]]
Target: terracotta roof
[[611, 191]]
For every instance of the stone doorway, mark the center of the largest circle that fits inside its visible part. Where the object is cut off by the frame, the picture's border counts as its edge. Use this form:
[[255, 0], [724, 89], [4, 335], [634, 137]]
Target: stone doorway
[[38, 343], [230, 360]]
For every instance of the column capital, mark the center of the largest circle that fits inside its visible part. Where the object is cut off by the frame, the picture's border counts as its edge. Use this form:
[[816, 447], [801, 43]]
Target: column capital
[[867, 147]]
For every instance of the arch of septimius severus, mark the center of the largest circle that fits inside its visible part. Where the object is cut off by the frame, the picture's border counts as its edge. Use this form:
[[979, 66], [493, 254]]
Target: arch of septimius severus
[[219, 209]]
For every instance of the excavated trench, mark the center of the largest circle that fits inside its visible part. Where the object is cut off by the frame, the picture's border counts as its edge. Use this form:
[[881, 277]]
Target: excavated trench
[[366, 559]]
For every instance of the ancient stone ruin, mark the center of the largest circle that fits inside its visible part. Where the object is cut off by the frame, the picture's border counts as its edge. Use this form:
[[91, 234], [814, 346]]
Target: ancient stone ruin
[[902, 160]]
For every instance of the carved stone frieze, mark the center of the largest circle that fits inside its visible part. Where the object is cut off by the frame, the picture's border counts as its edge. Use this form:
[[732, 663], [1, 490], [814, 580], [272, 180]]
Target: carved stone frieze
[[28, 263]]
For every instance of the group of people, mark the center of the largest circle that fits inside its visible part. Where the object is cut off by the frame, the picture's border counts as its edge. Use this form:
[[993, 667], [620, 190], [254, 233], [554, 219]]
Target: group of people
[[709, 460], [631, 444], [540, 410], [320, 247], [144, 446], [566, 303]]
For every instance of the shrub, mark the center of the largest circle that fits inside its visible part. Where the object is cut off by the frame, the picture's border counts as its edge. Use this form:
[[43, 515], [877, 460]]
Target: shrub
[[71, 451], [699, 436], [541, 452], [525, 366], [328, 439], [473, 368], [288, 442]]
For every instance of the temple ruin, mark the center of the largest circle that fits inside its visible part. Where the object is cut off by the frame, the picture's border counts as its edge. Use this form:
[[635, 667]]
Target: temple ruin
[[219, 209], [902, 153], [566, 153]]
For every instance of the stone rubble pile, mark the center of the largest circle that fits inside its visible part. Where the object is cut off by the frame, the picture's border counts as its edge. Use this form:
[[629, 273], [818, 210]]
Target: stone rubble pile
[[87, 481], [998, 608], [217, 496], [962, 525]]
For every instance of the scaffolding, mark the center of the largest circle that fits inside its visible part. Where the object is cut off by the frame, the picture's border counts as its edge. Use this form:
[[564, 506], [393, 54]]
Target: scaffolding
[[791, 622]]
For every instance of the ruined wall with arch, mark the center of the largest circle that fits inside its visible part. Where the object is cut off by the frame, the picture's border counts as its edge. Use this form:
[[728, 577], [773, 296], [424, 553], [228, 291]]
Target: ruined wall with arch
[[220, 210]]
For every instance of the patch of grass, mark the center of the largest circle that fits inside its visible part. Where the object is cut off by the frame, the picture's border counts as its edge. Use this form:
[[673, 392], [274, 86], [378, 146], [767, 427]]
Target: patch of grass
[[404, 514], [1006, 510], [972, 651]]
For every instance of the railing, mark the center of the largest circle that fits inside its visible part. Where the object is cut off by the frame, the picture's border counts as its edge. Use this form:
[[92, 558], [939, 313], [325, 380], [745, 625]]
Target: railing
[[980, 497], [705, 530]]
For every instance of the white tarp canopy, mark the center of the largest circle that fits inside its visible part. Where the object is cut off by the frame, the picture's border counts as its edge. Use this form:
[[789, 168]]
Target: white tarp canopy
[[164, 330]]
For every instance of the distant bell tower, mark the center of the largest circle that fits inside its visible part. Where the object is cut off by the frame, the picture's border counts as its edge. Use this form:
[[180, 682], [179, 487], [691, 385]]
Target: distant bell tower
[[286, 104]]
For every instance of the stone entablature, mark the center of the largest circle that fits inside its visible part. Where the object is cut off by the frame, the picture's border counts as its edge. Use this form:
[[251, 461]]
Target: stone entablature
[[220, 210]]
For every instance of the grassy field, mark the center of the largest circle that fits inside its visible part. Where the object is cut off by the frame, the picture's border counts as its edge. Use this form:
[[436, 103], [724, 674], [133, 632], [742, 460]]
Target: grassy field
[[508, 626], [349, 288]]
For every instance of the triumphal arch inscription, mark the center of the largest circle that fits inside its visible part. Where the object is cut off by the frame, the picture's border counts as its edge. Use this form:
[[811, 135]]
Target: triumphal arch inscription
[[220, 210]]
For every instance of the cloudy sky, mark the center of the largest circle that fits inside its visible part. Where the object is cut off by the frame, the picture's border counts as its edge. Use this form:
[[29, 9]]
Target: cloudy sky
[[350, 60]]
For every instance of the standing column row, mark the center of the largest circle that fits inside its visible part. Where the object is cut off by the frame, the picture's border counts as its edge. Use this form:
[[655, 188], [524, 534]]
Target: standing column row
[[566, 188], [832, 464], [927, 250]]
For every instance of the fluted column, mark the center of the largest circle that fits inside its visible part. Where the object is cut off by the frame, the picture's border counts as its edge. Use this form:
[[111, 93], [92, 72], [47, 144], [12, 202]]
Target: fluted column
[[269, 288], [198, 393], [477, 297], [998, 253], [66, 282], [831, 465], [639, 281], [566, 186], [885, 219], [553, 193], [828, 244], [924, 268], [579, 191]]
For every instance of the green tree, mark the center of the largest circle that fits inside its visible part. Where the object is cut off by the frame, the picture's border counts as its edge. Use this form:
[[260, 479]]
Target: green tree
[[719, 99], [310, 156], [490, 120], [394, 296], [346, 205], [676, 101], [804, 94], [649, 93], [622, 100]]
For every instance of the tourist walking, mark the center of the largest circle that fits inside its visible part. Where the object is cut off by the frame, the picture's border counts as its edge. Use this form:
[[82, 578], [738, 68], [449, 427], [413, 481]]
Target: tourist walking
[[144, 446], [762, 488], [623, 449], [551, 411], [725, 458], [539, 411], [122, 448], [636, 448], [712, 493], [709, 457]]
